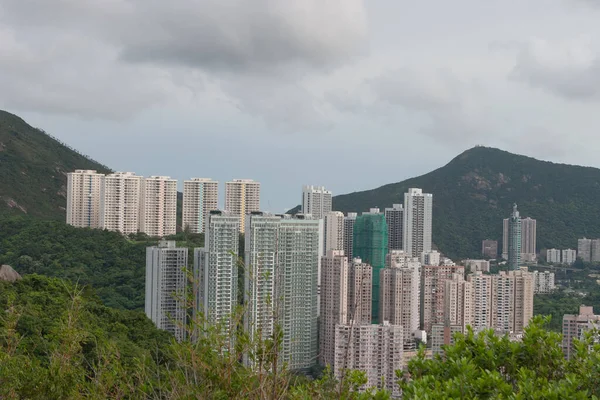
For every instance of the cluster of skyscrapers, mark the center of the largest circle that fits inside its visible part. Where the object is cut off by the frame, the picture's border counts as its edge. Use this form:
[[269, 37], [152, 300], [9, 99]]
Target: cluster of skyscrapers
[[564, 256], [127, 203], [519, 239], [350, 291], [588, 250]]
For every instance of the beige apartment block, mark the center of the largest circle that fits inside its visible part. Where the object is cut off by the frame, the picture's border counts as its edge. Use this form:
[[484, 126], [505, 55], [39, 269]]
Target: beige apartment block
[[158, 211], [84, 189], [120, 202], [200, 197], [242, 196]]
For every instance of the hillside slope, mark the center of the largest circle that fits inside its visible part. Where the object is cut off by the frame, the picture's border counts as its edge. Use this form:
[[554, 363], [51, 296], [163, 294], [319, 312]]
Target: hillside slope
[[33, 168], [475, 191]]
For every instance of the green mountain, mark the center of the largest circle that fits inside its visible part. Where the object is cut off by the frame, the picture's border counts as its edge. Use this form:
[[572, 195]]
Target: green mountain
[[33, 167], [476, 190]]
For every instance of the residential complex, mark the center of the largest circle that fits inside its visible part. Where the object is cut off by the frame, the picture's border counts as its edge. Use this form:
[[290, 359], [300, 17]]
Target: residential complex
[[166, 283], [526, 230], [349, 221], [316, 201], [399, 293], [298, 253], [242, 196], [432, 292], [200, 197], [158, 209], [575, 327], [512, 239], [84, 188], [553, 256], [569, 256], [333, 227], [394, 217], [489, 248], [360, 289], [216, 269], [584, 249], [120, 202], [477, 265], [370, 243], [543, 282], [417, 222], [376, 350], [432, 257]]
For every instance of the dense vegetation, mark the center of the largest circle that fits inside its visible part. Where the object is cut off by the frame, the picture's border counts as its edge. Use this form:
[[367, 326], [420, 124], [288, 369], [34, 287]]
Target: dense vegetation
[[59, 342], [476, 190], [112, 264], [33, 169]]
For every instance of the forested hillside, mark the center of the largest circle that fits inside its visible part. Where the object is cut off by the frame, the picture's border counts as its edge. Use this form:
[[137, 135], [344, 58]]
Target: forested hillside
[[33, 167], [476, 190]]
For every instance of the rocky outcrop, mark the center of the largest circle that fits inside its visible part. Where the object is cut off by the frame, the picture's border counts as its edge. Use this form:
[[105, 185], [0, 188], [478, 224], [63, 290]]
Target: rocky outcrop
[[7, 273]]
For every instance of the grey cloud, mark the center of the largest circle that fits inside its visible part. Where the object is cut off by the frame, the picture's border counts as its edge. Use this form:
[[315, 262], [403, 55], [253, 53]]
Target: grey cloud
[[568, 69], [445, 107], [257, 52]]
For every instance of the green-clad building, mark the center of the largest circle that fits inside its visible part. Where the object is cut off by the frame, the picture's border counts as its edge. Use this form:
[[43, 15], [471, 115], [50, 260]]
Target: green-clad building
[[370, 243]]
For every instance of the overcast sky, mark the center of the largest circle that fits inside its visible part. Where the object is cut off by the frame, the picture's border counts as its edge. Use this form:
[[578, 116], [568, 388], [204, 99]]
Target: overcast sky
[[348, 94]]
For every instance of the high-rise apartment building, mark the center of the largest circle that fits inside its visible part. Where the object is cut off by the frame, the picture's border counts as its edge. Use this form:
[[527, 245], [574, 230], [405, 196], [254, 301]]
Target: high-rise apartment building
[[375, 349], [216, 269], [417, 222], [242, 196], [166, 282], [370, 243], [120, 202], [360, 289], [553, 256], [394, 217], [158, 210], [569, 256], [200, 196], [349, 221], [84, 189], [543, 282], [527, 231], [489, 248], [481, 307], [512, 301], [512, 238], [333, 231], [575, 327], [595, 250], [528, 239], [298, 257], [477, 265], [399, 295], [432, 292], [458, 311], [584, 249], [262, 231], [316, 201], [334, 302], [432, 257]]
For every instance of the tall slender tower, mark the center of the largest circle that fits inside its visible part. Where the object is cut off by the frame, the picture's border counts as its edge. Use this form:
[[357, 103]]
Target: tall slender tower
[[120, 202], [261, 237], [394, 217], [514, 239], [166, 282], [360, 289], [216, 269], [333, 227], [417, 222], [242, 196], [298, 254], [316, 201], [158, 214], [83, 198], [334, 302], [400, 293], [370, 243], [349, 221], [200, 197]]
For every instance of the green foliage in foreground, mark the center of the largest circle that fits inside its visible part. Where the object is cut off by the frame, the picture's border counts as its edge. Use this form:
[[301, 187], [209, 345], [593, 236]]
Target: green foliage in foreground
[[57, 342], [113, 264]]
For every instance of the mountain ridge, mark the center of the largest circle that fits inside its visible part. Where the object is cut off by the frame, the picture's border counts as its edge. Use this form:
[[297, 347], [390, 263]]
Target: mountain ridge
[[475, 190]]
